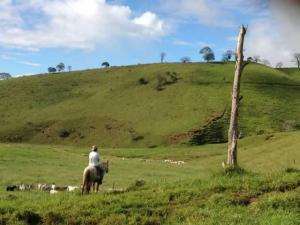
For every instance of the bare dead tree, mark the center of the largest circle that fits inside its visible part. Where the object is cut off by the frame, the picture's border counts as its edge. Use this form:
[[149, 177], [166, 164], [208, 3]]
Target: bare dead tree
[[162, 56], [233, 127]]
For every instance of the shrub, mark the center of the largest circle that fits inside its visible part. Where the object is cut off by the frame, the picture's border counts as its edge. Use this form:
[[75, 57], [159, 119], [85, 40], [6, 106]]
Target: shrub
[[52, 218], [161, 82], [64, 133], [143, 81], [137, 137], [29, 217], [166, 79]]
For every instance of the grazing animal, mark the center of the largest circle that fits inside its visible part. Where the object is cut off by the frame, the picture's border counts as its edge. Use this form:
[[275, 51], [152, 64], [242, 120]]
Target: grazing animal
[[72, 188], [52, 192], [39, 186], [45, 187], [58, 188], [63, 188], [25, 187], [22, 187], [11, 187], [90, 178]]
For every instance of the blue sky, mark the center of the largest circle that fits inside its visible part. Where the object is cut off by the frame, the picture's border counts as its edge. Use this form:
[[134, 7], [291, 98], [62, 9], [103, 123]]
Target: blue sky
[[36, 34]]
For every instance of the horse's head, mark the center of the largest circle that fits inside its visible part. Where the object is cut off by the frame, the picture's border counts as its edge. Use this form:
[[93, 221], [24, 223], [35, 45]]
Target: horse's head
[[105, 166]]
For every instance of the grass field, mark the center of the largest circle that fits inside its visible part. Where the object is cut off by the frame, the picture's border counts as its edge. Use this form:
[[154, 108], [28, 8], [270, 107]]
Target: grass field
[[111, 108], [194, 193], [138, 116]]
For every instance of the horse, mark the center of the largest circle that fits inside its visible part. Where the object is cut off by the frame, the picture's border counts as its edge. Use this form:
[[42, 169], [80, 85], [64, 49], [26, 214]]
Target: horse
[[90, 177]]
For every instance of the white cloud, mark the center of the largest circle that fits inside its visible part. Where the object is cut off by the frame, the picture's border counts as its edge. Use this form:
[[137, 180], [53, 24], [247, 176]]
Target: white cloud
[[276, 37], [73, 24], [7, 57], [151, 23], [182, 43], [198, 44], [28, 63], [213, 13], [12, 57]]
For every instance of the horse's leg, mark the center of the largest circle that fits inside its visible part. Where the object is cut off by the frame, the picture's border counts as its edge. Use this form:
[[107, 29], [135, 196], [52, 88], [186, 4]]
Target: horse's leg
[[94, 186], [82, 189], [88, 187], [98, 187]]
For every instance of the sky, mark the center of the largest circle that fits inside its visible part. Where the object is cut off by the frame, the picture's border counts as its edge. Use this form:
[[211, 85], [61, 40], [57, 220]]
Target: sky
[[37, 34]]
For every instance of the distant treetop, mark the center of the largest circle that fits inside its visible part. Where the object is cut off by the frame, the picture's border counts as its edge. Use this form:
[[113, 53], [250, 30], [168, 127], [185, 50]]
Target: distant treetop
[[207, 54], [185, 59], [60, 67], [51, 70], [227, 56], [105, 64], [4, 76]]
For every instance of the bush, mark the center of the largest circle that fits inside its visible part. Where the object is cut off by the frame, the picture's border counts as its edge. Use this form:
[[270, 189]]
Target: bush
[[166, 79], [52, 218], [161, 82], [64, 133], [29, 217], [143, 81]]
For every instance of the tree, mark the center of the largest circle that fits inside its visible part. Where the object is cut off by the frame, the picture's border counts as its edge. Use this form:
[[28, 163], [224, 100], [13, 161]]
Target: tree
[[51, 70], [279, 65], [233, 127], [4, 76], [227, 56], [207, 54], [185, 59], [163, 57], [105, 64], [60, 67], [297, 59]]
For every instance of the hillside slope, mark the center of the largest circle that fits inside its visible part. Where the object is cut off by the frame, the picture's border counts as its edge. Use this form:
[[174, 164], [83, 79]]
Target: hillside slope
[[172, 104]]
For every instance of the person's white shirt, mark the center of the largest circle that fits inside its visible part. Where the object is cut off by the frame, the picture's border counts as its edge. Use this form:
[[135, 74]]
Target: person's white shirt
[[94, 159]]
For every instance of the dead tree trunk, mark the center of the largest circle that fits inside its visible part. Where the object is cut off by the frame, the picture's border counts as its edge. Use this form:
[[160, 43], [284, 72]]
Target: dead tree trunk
[[233, 127]]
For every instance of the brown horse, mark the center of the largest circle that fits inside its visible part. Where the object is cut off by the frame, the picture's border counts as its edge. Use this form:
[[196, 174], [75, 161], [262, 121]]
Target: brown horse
[[90, 178]]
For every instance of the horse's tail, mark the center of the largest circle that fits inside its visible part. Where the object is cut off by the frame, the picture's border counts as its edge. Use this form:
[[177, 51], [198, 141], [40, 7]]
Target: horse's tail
[[84, 180]]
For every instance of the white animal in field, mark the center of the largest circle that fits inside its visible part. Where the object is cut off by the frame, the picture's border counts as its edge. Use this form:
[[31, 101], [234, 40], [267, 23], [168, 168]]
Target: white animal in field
[[52, 192], [25, 187], [72, 188], [174, 162], [45, 187], [22, 187], [39, 186]]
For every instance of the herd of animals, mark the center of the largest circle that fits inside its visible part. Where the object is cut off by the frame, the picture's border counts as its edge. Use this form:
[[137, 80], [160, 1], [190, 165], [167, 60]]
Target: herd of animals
[[90, 181], [51, 188]]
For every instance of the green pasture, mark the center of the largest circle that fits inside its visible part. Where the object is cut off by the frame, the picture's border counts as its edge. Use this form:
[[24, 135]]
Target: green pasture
[[150, 191]]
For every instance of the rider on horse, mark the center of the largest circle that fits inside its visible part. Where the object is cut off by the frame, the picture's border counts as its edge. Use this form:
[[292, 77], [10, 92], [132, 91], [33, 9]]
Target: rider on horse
[[94, 160]]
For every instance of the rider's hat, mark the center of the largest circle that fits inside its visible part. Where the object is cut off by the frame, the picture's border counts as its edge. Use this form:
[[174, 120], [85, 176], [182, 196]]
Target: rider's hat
[[94, 148]]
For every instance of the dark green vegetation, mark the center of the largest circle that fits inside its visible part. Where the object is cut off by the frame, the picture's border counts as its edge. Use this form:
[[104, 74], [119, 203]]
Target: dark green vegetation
[[146, 105], [150, 191]]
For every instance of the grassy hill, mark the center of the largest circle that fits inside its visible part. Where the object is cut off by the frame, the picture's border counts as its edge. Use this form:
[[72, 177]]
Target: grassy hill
[[146, 105], [193, 193]]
